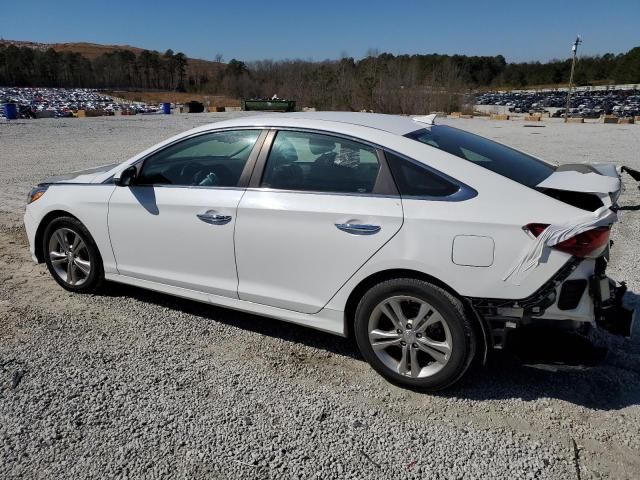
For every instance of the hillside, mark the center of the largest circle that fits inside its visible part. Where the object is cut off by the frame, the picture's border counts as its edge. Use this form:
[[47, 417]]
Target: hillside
[[195, 66]]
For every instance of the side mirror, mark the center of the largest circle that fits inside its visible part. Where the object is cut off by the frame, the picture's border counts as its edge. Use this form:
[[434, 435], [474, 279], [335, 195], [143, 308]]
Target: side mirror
[[127, 176]]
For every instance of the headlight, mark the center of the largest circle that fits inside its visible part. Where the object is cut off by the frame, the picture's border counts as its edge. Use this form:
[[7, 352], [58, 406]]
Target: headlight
[[36, 193]]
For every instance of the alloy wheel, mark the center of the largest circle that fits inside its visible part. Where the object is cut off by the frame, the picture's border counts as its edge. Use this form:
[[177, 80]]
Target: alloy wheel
[[410, 336], [69, 256]]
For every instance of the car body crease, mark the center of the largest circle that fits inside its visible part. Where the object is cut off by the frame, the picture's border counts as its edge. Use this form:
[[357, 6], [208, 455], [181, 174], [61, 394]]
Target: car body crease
[[115, 260]]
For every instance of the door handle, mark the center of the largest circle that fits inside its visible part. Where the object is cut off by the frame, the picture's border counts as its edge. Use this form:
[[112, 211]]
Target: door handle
[[214, 218], [358, 229]]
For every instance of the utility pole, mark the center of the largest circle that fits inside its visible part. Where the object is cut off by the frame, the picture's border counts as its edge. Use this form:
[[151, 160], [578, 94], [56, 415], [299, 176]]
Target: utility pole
[[574, 49]]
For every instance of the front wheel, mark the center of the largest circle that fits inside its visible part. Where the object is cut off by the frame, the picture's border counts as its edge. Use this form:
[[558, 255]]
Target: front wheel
[[72, 256], [415, 334]]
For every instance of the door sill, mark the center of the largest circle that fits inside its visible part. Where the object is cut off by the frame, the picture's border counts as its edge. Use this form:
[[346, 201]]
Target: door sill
[[327, 320]]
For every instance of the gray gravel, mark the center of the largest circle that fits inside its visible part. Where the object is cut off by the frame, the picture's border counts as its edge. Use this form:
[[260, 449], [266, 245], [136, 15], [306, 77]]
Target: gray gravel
[[133, 384]]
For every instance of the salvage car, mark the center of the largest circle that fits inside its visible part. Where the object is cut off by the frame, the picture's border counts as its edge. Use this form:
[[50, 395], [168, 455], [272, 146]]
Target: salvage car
[[426, 243]]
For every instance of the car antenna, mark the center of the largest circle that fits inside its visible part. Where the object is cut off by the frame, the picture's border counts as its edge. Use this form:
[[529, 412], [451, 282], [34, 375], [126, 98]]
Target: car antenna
[[428, 119]]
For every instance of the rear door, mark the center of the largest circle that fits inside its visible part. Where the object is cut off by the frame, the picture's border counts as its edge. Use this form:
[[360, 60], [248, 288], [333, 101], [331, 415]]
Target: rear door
[[318, 207]]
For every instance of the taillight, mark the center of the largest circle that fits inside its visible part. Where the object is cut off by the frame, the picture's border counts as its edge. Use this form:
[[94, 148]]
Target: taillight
[[536, 228], [585, 244]]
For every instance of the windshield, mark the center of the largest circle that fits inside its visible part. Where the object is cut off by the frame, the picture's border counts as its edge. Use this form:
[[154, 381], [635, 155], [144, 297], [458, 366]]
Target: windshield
[[491, 155]]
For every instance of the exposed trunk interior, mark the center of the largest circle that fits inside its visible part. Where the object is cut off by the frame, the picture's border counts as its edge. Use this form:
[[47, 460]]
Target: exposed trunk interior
[[585, 201]]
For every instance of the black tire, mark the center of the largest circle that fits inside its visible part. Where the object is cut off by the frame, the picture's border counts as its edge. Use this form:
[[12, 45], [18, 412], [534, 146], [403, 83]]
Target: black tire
[[461, 334], [88, 283]]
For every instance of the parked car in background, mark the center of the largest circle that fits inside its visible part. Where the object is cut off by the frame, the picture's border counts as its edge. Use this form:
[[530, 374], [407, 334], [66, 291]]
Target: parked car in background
[[426, 243], [587, 104], [65, 102]]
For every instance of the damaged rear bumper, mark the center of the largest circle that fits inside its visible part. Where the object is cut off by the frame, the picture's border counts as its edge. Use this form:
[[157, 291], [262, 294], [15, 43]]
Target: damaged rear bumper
[[579, 293], [610, 313]]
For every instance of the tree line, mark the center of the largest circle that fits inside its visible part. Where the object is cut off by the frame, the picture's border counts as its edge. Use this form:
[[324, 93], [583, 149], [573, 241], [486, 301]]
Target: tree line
[[380, 81], [389, 83], [29, 67]]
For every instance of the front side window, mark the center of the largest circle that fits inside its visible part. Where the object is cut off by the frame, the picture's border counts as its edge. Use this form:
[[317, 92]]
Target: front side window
[[320, 163], [486, 153], [210, 160]]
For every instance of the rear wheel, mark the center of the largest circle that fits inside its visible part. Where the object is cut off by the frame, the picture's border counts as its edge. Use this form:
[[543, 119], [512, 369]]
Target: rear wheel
[[71, 255], [414, 334]]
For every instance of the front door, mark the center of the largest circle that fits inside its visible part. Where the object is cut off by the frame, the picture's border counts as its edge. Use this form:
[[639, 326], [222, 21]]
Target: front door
[[175, 224]]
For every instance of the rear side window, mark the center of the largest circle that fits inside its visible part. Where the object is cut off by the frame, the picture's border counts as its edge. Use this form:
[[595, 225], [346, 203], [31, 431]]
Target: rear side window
[[414, 180], [488, 154], [320, 163]]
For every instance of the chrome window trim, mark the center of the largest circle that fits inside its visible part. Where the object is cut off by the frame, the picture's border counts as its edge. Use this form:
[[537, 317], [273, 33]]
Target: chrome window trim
[[262, 150], [314, 192], [465, 192], [199, 187], [81, 184], [460, 196]]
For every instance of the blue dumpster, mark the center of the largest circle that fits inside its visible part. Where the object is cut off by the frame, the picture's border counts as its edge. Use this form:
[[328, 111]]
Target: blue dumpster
[[10, 111], [166, 108]]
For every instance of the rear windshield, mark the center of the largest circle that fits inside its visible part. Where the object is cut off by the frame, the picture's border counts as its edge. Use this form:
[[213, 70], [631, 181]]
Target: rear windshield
[[491, 155]]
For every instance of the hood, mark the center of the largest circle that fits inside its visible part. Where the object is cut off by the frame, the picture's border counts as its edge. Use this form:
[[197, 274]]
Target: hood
[[81, 176], [586, 186]]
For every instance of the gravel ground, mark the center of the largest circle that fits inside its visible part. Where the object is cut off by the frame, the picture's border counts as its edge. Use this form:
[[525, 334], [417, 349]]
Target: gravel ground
[[133, 384]]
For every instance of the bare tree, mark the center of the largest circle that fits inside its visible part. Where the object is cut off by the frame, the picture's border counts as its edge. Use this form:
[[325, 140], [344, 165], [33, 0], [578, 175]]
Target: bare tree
[[445, 87], [372, 52]]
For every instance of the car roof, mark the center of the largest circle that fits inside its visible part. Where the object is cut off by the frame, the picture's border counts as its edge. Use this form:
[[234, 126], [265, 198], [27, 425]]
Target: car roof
[[395, 124]]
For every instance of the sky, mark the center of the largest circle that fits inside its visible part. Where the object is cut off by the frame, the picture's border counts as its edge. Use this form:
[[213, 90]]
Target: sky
[[249, 30]]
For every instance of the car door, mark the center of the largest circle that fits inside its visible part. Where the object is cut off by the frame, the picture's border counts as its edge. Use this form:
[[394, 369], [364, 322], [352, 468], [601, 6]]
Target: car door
[[174, 225], [318, 207]]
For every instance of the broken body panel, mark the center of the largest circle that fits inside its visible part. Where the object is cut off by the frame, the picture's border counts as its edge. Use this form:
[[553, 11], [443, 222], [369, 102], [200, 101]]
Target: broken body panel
[[580, 292]]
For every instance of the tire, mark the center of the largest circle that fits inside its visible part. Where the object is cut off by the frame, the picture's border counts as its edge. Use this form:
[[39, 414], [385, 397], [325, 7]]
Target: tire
[[431, 333], [67, 240]]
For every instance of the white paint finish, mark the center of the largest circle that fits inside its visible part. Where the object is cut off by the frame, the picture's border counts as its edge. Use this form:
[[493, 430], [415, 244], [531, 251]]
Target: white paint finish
[[88, 203], [396, 124], [424, 243], [426, 119], [157, 236], [175, 252], [82, 176], [472, 251], [326, 320], [582, 182], [31, 226], [291, 255]]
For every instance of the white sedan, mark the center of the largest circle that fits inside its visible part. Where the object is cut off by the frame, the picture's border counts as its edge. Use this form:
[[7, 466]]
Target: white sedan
[[426, 243]]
